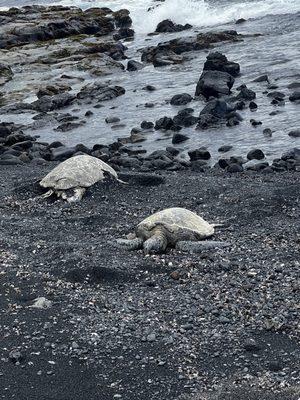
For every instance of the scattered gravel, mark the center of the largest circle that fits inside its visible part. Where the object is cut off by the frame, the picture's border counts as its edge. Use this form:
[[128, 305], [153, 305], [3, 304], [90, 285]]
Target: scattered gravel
[[125, 325]]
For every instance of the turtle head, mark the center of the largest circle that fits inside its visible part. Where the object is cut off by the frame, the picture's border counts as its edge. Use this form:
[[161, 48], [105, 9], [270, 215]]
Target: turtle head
[[157, 243]]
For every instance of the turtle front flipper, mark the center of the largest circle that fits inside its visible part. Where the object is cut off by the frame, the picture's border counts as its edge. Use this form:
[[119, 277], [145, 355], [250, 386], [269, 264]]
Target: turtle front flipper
[[198, 247], [157, 243], [130, 244], [46, 195]]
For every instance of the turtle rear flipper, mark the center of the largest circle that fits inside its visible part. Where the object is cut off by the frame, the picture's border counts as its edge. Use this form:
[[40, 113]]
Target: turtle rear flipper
[[198, 247]]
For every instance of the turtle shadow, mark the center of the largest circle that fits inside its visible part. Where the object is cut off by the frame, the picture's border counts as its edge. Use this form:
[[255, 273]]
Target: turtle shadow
[[98, 275], [31, 188], [142, 179]]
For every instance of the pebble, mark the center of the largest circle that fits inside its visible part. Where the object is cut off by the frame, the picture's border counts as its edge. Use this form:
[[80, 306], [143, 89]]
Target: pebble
[[251, 345], [41, 303], [15, 356], [151, 337]]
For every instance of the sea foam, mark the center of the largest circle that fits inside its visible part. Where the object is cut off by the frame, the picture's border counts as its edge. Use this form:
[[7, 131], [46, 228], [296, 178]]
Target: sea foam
[[200, 13]]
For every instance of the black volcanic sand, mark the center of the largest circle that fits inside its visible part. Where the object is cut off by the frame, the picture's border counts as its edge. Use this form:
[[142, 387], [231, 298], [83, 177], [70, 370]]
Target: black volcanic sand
[[221, 324]]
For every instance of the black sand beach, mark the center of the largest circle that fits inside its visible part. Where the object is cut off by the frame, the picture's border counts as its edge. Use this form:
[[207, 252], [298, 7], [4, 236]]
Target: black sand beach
[[125, 325]]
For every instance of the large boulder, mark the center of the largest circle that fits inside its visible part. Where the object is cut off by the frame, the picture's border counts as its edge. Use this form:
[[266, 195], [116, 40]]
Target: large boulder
[[122, 18], [199, 154], [214, 84], [168, 26], [218, 62], [185, 44], [255, 154]]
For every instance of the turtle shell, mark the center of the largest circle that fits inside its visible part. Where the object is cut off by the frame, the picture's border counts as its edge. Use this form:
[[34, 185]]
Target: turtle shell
[[180, 224], [78, 171]]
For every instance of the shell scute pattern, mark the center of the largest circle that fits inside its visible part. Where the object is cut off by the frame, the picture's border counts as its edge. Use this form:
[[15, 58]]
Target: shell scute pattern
[[78, 171], [179, 222]]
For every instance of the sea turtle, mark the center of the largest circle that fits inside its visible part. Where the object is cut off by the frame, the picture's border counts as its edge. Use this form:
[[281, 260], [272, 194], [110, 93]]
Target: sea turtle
[[70, 179], [172, 227]]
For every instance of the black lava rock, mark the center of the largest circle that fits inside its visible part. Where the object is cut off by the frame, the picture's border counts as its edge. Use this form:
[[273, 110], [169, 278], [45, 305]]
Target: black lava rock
[[133, 65], [295, 96], [246, 94], [166, 123], [255, 154], [224, 149], [240, 21], [199, 154], [185, 118], [262, 78], [181, 99], [218, 62], [235, 168], [253, 122], [217, 108], [214, 84], [124, 33], [147, 125], [179, 138], [253, 105], [199, 166], [168, 26], [295, 133]]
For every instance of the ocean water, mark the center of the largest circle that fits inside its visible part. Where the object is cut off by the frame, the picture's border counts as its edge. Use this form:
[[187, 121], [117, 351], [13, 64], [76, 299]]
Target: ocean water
[[275, 52], [197, 12]]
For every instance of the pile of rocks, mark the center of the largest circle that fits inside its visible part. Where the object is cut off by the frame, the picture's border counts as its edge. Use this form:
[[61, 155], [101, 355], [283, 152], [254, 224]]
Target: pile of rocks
[[169, 53]]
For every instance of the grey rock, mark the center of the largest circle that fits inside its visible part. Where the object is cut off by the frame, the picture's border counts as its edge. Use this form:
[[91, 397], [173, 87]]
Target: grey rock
[[133, 65], [216, 61], [255, 154], [295, 133], [179, 138], [181, 99], [214, 84]]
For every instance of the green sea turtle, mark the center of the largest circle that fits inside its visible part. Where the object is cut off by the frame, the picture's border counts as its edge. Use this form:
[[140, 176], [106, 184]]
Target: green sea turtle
[[70, 179], [172, 227]]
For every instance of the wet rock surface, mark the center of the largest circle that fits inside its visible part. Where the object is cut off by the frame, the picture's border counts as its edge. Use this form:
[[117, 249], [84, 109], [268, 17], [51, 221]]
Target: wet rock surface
[[63, 88], [169, 26], [182, 45], [39, 23]]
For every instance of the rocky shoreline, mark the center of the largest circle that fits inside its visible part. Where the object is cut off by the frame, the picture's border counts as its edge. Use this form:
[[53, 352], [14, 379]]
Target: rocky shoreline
[[54, 42], [82, 318]]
